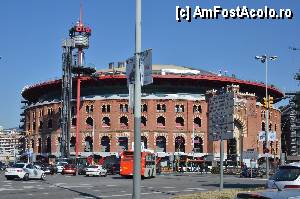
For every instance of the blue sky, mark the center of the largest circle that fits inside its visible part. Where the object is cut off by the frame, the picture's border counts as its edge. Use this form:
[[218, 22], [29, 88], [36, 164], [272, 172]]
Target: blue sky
[[32, 32]]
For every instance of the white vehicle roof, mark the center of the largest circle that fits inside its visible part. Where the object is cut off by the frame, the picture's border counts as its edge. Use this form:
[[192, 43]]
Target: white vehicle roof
[[296, 164], [24, 164]]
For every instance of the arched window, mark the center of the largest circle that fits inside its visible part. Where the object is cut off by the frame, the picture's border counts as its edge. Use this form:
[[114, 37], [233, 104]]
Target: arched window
[[144, 140], [89, 122], [179, 144], [41, 125], [105, 144], [124, 108], [123, 143], [270, 126], [263, 126], [92, 108], [106, 122], [72, 144], [124, 121], [32, 144], [40, 145], [88, 144], [74, 121], [143, 121], [50, 123], [179, 108], [197, 122], [275, 127], [72, 110], [158, 107], [87, 108], [103, 108], [164, 108], [161, 144], [198, 145], [161, 108], [58, 145], [144, 108], [232, 150], [197, 109], [48, 145], [179, 122], [161, 121], [33, 125], [176, 108]]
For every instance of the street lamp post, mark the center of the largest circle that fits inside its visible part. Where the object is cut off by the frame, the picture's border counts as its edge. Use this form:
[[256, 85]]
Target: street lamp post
[[264, 59]]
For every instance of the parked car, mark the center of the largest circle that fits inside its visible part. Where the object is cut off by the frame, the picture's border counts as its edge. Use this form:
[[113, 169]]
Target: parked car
[[48, 168], [81, 169], [285, 194], [246, 173], [60, 166], [112, 165], [287, 176], [95, 170], [2, 166], [24, 171], [69, 169]]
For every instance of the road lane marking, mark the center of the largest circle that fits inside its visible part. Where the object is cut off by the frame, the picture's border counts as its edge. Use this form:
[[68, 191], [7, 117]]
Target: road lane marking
[[128, 194], [10, 189], [28, 187], [169, 187], [172, 191], [29, 182], [111, 185], [198, 188]]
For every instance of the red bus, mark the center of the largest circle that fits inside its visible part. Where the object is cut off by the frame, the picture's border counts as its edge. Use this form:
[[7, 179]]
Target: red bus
[[148, 167]]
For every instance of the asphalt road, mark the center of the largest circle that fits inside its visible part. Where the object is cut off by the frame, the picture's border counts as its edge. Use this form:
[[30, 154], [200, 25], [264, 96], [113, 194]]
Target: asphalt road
[[113, 186]]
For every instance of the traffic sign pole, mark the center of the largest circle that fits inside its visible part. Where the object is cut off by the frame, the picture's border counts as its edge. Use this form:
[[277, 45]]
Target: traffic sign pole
[[221, 163], [137, 106]]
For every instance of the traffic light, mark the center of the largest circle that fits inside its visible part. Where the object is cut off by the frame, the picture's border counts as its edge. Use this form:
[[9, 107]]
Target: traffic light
[[265, 103], [271, 102]]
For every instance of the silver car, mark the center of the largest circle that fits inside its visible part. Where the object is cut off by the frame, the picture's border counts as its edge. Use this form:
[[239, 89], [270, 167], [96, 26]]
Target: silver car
[[271, 194], [287, 177]]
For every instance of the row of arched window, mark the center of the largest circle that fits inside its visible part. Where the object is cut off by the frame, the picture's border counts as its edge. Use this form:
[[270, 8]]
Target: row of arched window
[[124, 108], [106, 122], [263, 126], [105, 143], [161, 121]]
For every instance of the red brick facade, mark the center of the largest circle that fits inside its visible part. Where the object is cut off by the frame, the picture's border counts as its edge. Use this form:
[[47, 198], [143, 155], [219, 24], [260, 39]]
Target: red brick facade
[[249, 116]]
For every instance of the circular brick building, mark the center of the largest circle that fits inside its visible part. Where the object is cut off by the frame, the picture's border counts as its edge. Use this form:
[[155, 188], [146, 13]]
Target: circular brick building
[[174, 114]]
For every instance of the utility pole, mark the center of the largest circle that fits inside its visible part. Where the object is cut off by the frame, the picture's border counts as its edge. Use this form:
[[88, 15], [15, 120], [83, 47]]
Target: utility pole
[[68, 46], [264, 59], [221, 164], [137, 105]]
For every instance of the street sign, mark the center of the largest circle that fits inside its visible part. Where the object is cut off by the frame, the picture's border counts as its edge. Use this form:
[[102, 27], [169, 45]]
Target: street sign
[[130, 66], [271, 136], [250, 155], [146, 67], [221, 121]]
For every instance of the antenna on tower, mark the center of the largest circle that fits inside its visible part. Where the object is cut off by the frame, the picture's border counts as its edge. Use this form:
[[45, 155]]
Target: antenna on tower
[[80, 14]]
